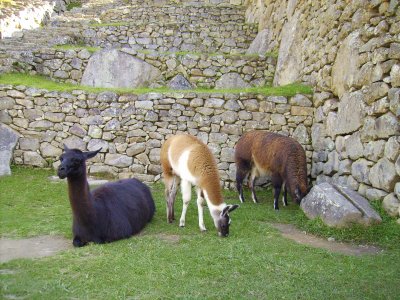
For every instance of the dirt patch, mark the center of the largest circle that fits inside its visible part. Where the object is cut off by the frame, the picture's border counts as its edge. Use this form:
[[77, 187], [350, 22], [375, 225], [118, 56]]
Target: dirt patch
[[291, 232], [35, 247], [170, 238]]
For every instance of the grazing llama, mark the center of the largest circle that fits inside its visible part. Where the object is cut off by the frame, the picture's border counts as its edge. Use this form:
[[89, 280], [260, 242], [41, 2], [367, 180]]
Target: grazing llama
[[111, 212], [188, 161], [263, 153]]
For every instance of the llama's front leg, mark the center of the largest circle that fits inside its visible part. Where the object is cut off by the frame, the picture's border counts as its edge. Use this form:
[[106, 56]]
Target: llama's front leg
[[277, 184], [200, 209], [77, 242], [186, 189]]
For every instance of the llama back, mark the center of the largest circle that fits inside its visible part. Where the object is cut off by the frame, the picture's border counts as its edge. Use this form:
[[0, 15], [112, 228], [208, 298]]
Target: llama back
[[126, 206], [281, 155]]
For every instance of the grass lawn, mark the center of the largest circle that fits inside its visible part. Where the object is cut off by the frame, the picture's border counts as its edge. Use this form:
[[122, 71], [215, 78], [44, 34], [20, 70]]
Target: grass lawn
[[165, 261]]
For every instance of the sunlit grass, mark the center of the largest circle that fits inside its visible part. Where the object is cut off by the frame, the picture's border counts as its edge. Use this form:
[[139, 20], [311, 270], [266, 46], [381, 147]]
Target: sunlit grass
[[47, 84], [166, 261], [77, 48]]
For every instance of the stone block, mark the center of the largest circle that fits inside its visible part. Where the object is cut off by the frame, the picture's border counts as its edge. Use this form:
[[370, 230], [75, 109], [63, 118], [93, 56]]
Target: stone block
[[338, 206], [8, 142]]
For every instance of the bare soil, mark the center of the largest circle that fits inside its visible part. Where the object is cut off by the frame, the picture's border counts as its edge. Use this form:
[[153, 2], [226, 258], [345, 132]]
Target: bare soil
[[34, 247], [291, 232]]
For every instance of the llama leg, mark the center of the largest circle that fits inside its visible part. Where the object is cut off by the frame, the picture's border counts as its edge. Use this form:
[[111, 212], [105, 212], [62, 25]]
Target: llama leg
[[252, 181], [200, 209], [170, 194], [186, 189], [284, 198], [277, 184], [77, 242], [240, 176]]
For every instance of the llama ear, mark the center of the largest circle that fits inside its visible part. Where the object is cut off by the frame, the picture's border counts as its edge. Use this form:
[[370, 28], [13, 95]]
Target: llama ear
[[228, 209], [91, 154], [232, 207]]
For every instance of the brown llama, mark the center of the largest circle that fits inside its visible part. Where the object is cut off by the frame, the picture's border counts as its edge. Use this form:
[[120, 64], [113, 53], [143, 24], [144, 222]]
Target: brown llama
[[188, 161], [263, 153]]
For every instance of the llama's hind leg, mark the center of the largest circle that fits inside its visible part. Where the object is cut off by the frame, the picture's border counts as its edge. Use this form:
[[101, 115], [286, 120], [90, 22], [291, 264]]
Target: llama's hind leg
[[252, 181], [200, 209], [284, 198], [186, 189], [241, 174], [277, 184], [171, 188]]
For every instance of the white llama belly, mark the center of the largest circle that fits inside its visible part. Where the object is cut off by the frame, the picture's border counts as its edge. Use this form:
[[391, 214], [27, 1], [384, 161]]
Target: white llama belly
[[181, 168]]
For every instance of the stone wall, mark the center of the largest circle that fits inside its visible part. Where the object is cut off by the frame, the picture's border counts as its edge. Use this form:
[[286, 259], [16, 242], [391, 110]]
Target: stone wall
[[201, 70], [350, 52], [173, 37], [130, 129]]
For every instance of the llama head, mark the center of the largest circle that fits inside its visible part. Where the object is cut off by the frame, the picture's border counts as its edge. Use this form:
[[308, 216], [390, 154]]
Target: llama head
[[72, 162], [224, 220]]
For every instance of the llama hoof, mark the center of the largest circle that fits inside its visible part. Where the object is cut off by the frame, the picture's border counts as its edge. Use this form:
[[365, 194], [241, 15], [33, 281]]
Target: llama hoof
[[182, 224], [78, 243]]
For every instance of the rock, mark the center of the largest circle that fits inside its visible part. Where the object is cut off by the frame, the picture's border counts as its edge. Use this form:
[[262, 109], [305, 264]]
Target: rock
[[395, 75], [374, 150], [231, 81], [301, 135], [392, 148], [386, 126], [48, 150], [374, 194], [360, 170], [118, 160], [383, 175], [96, 144], [261, 44], [74, 142], [34, 159], [30, 144], [116, 69], [391, 205], [350, 115], [290, 62], [179, 82], [354, 147], [338, 206], [135, 149], [8, 142]]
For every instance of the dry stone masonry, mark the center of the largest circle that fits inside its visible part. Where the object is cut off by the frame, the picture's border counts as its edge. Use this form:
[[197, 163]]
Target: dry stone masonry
[[130, 129], [349, 51]]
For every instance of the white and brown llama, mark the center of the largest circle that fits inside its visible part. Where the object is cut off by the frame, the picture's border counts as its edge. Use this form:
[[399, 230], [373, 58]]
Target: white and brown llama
[[188, 161], [263, 153]]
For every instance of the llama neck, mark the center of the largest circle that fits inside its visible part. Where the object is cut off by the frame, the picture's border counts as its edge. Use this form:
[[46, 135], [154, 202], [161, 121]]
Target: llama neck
[[80, 198]]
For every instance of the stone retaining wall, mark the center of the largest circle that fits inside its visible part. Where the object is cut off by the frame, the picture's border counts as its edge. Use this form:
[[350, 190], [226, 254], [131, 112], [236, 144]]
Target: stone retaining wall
[[130, 129], [229, 37], [350, 52], [201, 70]]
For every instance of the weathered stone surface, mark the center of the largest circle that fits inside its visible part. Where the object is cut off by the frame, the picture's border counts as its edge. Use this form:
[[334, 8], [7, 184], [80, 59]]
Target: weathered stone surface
[[30, 144], [118, 160], [230, 81], [113, 68], [289, 62], [261, 44], [8, 142], [391, 205], [349, 118], [136, 149], [392, 148], [360, 170], [338, 207], [96, 144], [34, 159], [48, 150], [179, 82], [354, 147], [383, 175]]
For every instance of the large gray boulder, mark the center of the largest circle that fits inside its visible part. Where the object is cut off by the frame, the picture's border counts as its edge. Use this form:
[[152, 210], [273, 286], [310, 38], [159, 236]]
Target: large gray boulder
[[116, 69], [260, 45], [8, 140], [338, 206], [231, 81]]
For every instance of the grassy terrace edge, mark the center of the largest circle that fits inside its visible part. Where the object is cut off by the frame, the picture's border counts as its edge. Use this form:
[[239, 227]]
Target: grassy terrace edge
[[42, 82]]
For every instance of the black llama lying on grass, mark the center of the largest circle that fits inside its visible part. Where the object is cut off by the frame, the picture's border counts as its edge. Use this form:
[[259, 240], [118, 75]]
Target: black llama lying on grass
[[263, 153], [111, 212]]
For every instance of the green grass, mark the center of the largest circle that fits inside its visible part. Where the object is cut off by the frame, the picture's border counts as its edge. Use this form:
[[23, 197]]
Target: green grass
[[44, 83], [74, 4], [166, 261], [77, 47], [114, 24]]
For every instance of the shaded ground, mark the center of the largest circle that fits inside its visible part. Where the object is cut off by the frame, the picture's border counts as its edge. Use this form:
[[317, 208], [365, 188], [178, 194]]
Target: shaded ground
[[48, 245], [35, 247], [291, 232]]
